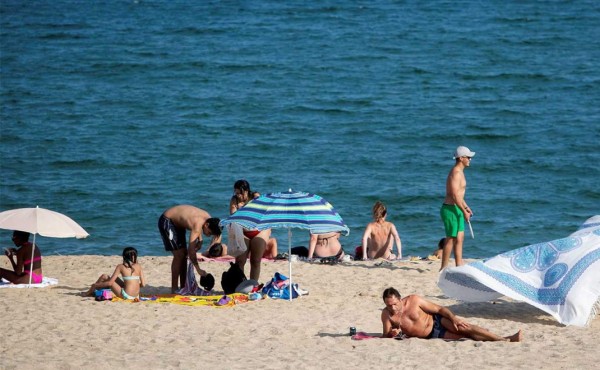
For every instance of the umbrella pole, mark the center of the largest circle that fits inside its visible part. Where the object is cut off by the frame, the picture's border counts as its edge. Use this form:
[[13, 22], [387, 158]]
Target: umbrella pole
[[290, 258], [32, 252]]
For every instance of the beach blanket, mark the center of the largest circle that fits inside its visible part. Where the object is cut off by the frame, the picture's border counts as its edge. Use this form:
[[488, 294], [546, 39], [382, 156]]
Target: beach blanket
[[213, 301], [560, 277], [46, 282]]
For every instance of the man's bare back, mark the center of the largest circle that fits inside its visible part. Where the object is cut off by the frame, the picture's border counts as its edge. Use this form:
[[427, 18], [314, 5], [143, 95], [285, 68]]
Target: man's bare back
[[186, 216]]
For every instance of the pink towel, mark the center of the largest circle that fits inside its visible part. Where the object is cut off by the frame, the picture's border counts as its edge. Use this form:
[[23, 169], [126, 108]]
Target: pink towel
[[361, 335]]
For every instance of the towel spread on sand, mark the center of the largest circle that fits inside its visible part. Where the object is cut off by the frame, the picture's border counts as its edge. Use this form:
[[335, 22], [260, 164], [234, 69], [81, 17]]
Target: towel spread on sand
[[560, 277], [361, 335], [46, 281], [213, 301]]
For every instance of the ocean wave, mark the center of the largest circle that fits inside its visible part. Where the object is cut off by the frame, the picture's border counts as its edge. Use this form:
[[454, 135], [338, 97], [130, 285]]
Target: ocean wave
[[492, 136], [197, 31], [520, 76], [78, 163], [61, 36], [315, 109]]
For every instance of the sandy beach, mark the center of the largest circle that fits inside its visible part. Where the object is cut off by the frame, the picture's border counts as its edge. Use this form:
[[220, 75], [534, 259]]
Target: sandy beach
[[57, 328]]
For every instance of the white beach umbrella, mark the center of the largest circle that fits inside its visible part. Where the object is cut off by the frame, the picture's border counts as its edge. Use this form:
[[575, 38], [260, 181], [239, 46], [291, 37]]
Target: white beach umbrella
[[41, 221]]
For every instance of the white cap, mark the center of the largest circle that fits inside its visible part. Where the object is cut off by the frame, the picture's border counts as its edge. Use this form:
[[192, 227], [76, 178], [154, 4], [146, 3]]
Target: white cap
[[463, 151]]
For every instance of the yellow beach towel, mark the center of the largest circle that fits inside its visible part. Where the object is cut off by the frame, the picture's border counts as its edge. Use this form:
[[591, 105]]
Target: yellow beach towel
[[229, 300]]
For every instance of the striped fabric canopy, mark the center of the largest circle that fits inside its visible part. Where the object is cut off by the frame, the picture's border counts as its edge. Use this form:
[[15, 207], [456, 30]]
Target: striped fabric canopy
[[289, 210]]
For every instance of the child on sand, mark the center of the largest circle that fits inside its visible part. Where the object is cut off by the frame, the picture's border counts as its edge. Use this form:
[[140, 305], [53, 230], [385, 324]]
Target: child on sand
[[132, 277]]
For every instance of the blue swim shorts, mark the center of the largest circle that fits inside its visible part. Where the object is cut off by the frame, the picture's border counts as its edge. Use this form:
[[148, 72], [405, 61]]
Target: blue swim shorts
[[438, 330]]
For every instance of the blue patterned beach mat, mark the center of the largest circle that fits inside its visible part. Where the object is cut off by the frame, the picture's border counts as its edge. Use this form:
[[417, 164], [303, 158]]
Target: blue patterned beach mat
[[560, 277]]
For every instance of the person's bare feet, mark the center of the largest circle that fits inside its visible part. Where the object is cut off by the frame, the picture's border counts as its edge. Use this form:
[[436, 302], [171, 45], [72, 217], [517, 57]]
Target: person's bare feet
[[517, 337]]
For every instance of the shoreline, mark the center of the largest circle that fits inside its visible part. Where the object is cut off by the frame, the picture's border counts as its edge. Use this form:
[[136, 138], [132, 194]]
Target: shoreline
[[66, 330]]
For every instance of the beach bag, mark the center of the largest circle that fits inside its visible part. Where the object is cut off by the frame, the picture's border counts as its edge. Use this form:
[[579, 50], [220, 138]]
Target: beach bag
[[279, 287], [103, 294], [236, 245], [232, 278]]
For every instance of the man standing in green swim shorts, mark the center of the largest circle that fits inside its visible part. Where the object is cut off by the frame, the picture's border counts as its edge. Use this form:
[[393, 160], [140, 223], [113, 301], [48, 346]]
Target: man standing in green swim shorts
[[455, 211]]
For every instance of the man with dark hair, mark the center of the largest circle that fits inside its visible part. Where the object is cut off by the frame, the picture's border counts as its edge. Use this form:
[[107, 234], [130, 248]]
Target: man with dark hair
[[415, 316], [173, 224]]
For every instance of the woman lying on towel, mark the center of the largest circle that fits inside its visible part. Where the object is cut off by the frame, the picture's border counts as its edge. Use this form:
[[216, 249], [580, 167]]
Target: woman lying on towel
[[132, 277], [24, 268]]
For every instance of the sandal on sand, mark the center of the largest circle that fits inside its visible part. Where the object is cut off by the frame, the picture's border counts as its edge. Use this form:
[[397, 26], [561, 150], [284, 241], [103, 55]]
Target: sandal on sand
[[223, 301]]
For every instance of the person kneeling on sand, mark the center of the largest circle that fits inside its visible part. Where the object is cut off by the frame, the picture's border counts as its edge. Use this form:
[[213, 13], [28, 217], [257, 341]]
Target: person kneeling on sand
[[414, 316], [132, 277]]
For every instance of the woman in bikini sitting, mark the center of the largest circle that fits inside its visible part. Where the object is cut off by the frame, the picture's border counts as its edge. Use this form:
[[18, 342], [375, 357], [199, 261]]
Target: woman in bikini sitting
[[256, 240], [132, 277], [325, 245], [24, 268], [378, 239]]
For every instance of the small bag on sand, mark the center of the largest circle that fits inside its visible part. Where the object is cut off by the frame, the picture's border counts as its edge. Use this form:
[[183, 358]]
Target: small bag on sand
[[103, 294]]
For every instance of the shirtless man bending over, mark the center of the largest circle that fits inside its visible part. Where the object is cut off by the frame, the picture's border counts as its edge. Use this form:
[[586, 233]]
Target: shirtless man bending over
[[173, 224], [455, 211], [380, 235], [416, 317]]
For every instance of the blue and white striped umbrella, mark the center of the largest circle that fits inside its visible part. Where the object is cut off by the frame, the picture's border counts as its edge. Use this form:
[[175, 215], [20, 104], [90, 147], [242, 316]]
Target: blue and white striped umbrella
[[289, 210]]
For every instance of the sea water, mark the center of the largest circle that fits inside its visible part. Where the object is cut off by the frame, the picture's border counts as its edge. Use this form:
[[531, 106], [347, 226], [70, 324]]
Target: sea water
[[113, 111]]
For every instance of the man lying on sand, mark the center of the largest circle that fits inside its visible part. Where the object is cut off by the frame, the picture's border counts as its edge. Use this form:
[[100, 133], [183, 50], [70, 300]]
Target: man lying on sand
[[414, 316]]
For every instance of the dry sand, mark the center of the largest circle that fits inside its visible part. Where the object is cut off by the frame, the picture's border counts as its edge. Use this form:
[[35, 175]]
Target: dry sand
[[56, 328]]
